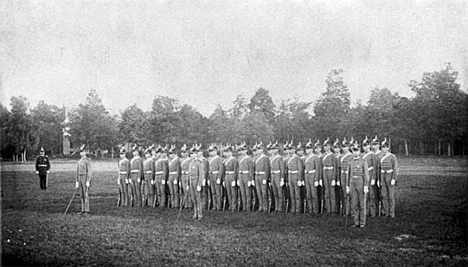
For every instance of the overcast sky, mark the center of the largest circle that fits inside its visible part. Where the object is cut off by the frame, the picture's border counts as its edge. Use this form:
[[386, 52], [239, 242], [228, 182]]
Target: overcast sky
[[205, 53]]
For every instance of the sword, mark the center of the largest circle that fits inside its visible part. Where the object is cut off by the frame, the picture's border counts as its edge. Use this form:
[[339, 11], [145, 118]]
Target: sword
[[69, 203]]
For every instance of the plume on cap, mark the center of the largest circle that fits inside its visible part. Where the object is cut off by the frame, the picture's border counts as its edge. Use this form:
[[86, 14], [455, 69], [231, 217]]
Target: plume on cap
[[260, 145], [172, 149], [274, 146], [149, 149], [122, 150], [269, 145], [345, 142], [299, 146], [228, 147], [286, 145], [83, 147], [42, 149], [184, 148], [326, 142]]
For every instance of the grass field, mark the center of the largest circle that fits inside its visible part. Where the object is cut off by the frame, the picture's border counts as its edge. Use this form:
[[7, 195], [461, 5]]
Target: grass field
[[430, 228]]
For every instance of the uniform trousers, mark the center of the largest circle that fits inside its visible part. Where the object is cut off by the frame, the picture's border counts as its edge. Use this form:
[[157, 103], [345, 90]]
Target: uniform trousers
[[173, 184], [160, 184], [295, 192], [84, 193], [329, 197], [358, 200], [261, 185], [246, 194], [388, 195], [123, 191], [312, 193], [135, 189], [195, 194], [231, 189], [216, 190], [148, 190], [373, 197], [277, 191]]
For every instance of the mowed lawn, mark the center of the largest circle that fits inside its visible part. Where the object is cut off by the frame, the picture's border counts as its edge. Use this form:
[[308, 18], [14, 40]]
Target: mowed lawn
[[429, 228]]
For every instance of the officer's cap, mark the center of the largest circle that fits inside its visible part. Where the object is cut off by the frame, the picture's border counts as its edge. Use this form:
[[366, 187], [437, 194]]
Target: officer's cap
[[384, 143], [42, 149], [365, 142], [375, 140]]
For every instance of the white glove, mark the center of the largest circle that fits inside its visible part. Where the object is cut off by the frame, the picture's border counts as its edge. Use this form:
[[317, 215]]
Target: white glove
[[333, 183], [338, 183], [138, 180], [163, 182], [224, 184], [348, 190], [118, 181], [175, 182], [88, 184], [372, 182], [248, 183], [316, 183], [208, 182], [299, 183], [281, 182], [378, 183], [126, 181], [77, 184], [48, 172], [204, 182], [233, 183], [366, 189], [37, 172], [188, 187], [263, 181], [392, 182], [198, 188], [252, 183], [152, 181], [320, 182], [218, 181]]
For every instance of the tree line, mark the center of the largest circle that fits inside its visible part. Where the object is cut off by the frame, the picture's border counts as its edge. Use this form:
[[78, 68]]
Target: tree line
[[433, 121]]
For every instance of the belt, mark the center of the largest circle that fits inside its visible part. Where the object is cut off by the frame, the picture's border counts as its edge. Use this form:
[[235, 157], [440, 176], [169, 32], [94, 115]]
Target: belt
[[229, 172], [172, 172], [160, 172], [123, 172], [42, 165], [293, 171], [244, 172], [148, 172], [356, 177], [312, 171], [196, 177], [134, 171], [328, 168], [259, 172], [214, 172], [278, 171], [388, 171], [184, 172], [344, 171], [370, 168]]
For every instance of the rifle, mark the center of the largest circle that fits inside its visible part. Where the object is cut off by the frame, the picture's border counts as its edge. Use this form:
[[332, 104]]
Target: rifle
[[71, 200], [181, 206]]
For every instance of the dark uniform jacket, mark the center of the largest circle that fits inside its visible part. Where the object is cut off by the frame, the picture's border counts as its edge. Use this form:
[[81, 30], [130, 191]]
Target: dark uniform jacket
[[42, 165]]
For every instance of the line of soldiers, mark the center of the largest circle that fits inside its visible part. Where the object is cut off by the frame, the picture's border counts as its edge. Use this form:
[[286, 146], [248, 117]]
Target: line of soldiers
[[339, 180]]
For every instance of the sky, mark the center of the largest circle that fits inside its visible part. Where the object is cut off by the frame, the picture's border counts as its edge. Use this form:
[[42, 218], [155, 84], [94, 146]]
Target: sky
[[206, 53]]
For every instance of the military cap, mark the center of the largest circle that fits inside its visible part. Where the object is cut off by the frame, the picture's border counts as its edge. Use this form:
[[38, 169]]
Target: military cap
[[148, 150], [384, 143], [228, 147], [274, 146], [365, 142], [194, 149], [345, 142], [83, 148], [42, 149], [355, 147], [336, 143], [122, 150], [309, 144], [317, 144], [375, 141], [299, 146], [268, 147], [286, 146], [260, 145], [183, 148], [326, 142], [242, 147], [159, 149], [172, 149]]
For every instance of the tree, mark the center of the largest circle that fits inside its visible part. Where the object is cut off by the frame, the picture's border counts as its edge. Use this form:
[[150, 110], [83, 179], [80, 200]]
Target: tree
[[20, 127], [220, 127], [5, 133], [163, 119], [91, 124], [47, 121], [262, 102], [134, 125]]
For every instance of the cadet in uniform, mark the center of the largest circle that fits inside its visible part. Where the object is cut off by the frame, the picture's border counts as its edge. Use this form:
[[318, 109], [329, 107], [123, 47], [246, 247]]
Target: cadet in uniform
[[321, 191], [330, 165], [370, 157], [136, 175], [83, 179], [202, 155], [311, 177], [389, 174], [356, 185], [42, 168], [295, 178], [286, 193], [161, 173], [344, 161], [277, 176], [246, 175], [338, 188], [262, 170], [174, 177], [215, 177], [148, 181], [184, 165], [123, 180], [196, 175], [231, 171]]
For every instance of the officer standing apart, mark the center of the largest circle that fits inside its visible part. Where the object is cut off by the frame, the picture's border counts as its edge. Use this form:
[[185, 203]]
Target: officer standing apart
[[83, 179], [357, 185], [196, 175], [389, 172], [42, 168]]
